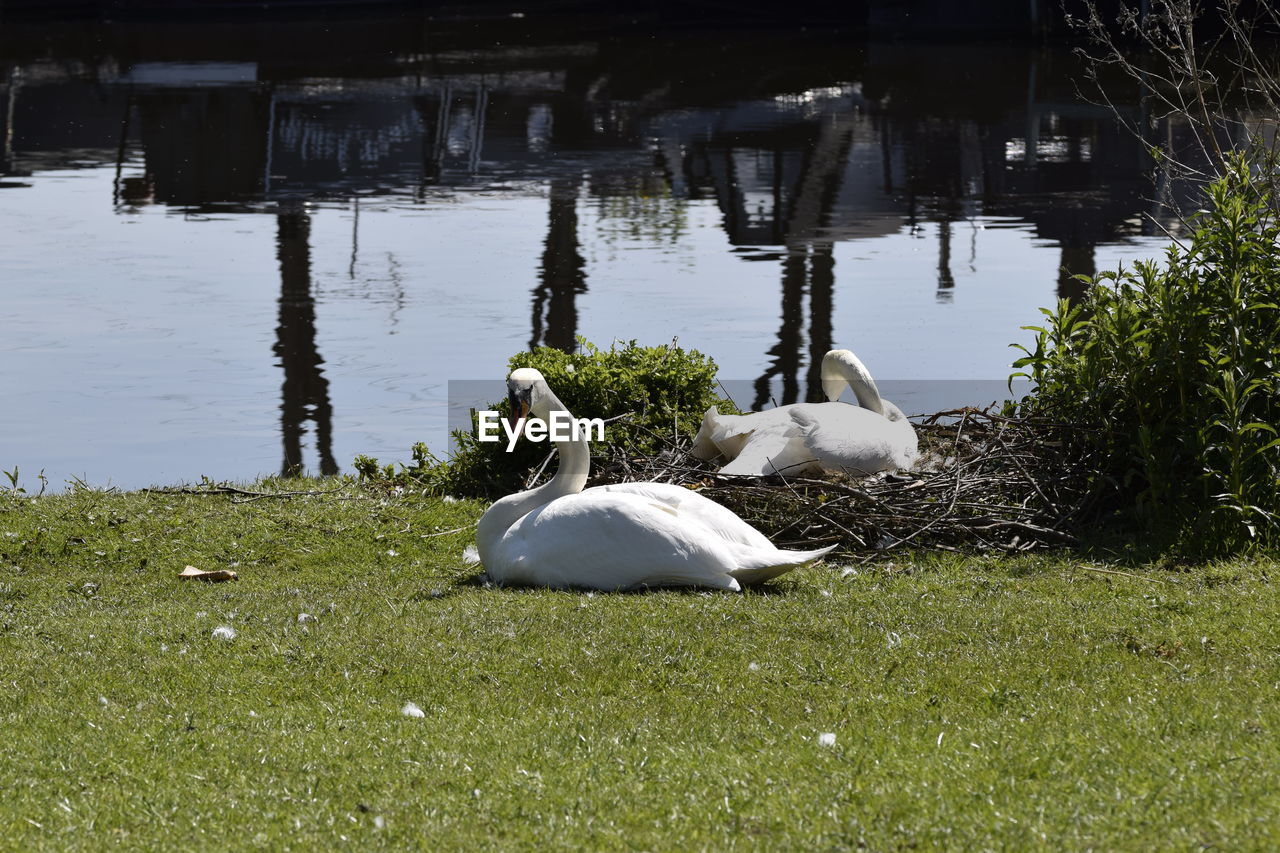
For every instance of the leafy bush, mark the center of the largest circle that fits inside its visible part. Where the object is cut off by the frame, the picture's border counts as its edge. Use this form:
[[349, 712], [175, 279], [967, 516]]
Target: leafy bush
[[657, 394], [1175, 367]]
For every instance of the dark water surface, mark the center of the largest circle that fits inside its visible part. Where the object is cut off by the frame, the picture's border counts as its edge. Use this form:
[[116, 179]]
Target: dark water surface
[[232, 249]]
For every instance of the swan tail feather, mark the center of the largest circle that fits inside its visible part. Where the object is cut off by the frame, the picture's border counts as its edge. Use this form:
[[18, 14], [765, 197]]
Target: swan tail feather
[[760, 567], [704, 444], [730, 433]]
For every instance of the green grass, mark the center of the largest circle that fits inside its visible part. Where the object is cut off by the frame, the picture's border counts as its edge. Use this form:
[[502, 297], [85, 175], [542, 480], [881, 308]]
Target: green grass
[[977, 703]]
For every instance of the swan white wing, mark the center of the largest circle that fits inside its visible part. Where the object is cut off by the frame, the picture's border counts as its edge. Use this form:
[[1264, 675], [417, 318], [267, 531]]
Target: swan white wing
[[776, 446], [757, 558], [695, 508], [727, 435], [772, 452], [619, 540], [610, 541], [762, 567], [730, 433], [857, 440]]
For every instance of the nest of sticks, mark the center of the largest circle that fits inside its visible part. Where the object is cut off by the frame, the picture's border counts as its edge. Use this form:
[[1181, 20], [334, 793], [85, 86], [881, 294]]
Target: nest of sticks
[[983, 482]]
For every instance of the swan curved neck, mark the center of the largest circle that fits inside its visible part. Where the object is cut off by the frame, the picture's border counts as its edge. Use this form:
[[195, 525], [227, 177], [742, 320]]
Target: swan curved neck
[[571, 475], [841, 367], [575, 457]]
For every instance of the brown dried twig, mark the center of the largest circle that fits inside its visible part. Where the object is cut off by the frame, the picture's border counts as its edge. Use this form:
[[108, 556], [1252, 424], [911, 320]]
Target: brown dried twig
[[984, 482]]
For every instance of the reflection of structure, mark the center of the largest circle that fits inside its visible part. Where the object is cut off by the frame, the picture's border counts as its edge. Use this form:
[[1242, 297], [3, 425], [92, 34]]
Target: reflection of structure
[[1076, 260], [808, 269], [822, 284], [12, 82], [802, 141], [561, 277], [305, 391], [780, 184], [193, 139], [830, 164]]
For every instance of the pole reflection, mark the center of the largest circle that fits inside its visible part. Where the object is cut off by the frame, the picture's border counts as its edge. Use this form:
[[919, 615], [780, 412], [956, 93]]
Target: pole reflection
[[822, 284], [12, 82], [784, 356], [946, 281], [1076, 260], [305, 392], [562, 275]]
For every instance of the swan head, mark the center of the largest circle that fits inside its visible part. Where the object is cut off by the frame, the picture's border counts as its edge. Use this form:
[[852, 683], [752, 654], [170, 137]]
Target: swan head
[[841, 367], [893, 414], [833, 378], [527, 392]]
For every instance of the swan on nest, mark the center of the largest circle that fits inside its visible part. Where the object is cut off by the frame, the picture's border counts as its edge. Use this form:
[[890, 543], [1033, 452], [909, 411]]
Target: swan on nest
[[617, 537], [804, 438]]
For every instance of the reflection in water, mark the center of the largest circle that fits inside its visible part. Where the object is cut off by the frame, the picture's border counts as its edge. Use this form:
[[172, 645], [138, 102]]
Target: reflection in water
[[193, 140], [561, 277], [305, 391], [822, 283], [946, 281], [808, 269], [801, 209], [784, 356], [13, 81], [1076, 260], [796, 145]]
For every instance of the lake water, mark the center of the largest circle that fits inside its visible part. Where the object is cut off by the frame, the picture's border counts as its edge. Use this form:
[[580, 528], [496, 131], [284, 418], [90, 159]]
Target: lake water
[[230, 251]]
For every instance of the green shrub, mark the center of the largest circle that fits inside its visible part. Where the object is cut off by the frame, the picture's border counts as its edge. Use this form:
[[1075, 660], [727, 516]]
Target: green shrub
[[1174, 366], [657, 394]]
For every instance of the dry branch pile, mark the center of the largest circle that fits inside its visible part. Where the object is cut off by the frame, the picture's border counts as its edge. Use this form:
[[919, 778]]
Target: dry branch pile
[[983, 482]]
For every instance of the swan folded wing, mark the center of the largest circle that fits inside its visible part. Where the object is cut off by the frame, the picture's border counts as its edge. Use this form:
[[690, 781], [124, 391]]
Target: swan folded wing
[[715, 436], [695, 508], [775, 451], [616, 541], [727, 435], [856, 440]]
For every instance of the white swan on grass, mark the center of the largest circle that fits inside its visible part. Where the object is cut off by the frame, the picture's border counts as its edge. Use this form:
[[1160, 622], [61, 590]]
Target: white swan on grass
[[807, 437], [617, 537]]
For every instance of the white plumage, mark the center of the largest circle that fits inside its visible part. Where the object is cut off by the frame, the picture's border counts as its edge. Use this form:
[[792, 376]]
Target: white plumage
[[806, 437], [617, 537]]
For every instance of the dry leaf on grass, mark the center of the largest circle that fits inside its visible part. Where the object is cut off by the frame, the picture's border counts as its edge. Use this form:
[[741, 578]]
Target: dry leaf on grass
[[192, 573]]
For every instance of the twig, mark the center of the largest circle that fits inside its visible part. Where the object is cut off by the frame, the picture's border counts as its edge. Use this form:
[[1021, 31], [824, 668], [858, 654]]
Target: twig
[[1122, 574], [446, 532], [1003, 476], [232, 490]]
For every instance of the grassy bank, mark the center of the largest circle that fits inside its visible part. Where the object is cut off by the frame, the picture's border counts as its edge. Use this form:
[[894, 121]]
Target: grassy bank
[[975, 702]]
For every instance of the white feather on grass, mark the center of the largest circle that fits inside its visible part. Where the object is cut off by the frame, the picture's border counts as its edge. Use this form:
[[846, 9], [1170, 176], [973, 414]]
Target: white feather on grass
[[470, 555]]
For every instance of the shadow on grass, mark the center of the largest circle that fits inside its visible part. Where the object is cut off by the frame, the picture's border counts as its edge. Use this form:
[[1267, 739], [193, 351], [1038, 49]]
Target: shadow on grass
[[480, 580]]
